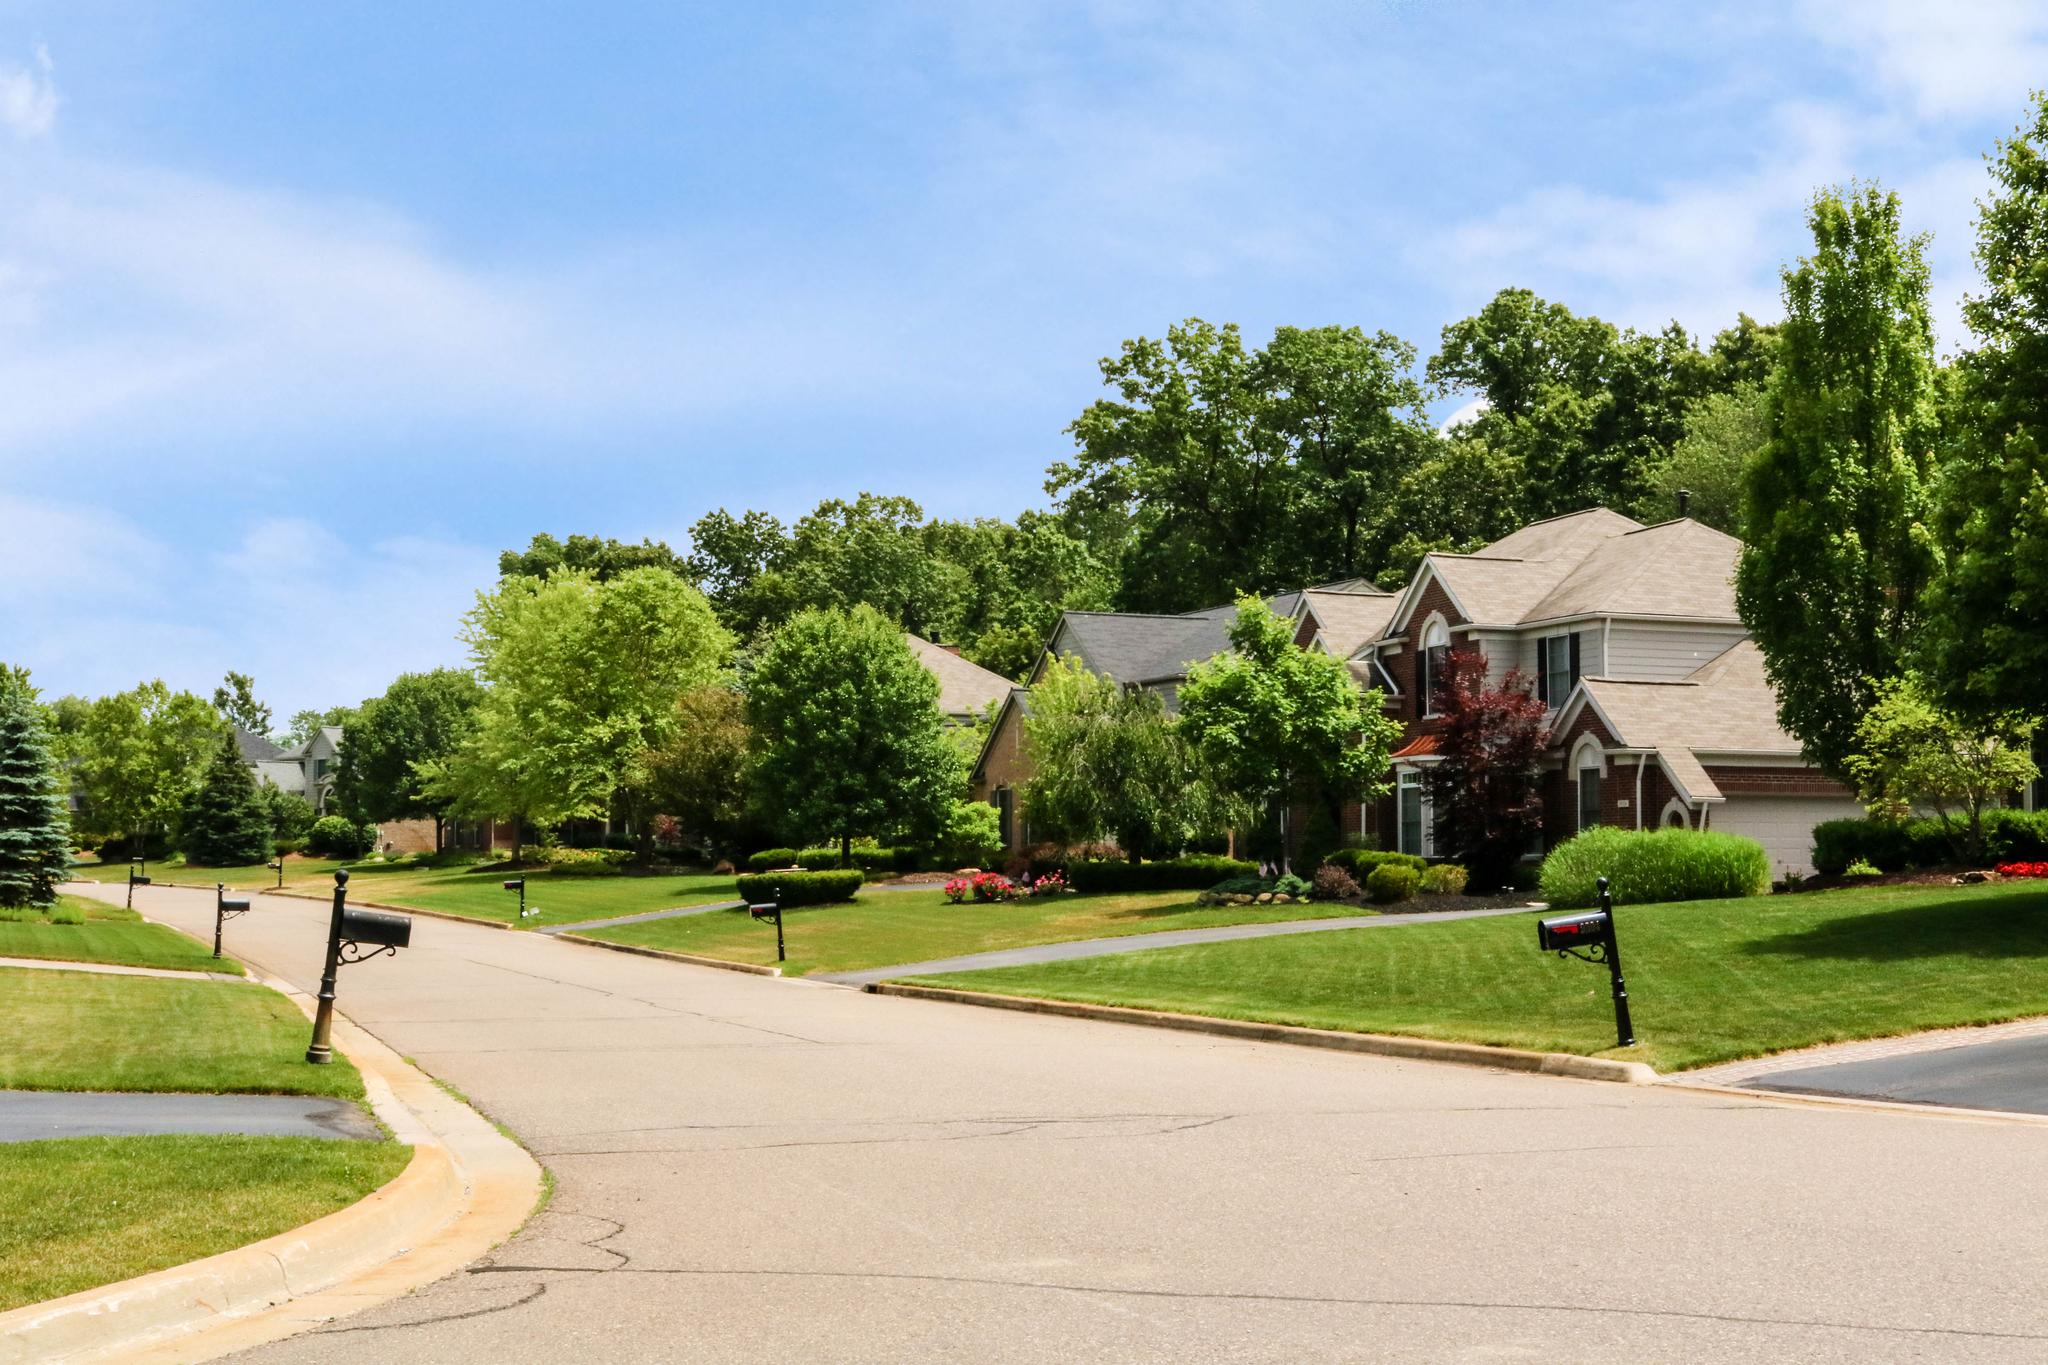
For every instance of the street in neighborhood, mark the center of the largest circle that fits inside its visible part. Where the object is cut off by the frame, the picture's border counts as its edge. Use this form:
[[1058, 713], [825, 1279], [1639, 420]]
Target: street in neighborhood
[[753, 1169]]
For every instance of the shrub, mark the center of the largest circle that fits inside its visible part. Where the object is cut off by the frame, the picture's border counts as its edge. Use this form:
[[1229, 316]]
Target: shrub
[[972, 835], [586, 862], [789, 889], [2023, 869], [1359, 861], [1900, 845], [771, 858], [1859, 868], [817, 859], [1391, 882], [1290, 885], [1654, 865], [336, 836], [1443, 879], [1333, 883], [1242, 886], [1051, 884], [1175, 874]]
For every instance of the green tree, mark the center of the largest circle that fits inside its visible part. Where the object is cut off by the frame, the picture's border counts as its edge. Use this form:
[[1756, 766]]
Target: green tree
[[1014, 581], [847, 731], [419, 722], [308, 723], [291, 815], [35, 829], [224, 822], [1108, 762], [699, 773], [236, 700], [138, 754], [1836, 556], [1583, 408], [1275, 723], [599, 556], [582, 682], [1912, 754], [1989, 612], [1724, 433], [739, 562]]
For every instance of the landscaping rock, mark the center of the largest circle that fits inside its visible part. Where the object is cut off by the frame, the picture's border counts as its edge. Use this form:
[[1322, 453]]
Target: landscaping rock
[[1972, 878], [1265, 898], [1282, 898]]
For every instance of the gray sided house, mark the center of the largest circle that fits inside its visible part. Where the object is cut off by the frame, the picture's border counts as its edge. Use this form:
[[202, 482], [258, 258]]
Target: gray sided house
[[305, 769]]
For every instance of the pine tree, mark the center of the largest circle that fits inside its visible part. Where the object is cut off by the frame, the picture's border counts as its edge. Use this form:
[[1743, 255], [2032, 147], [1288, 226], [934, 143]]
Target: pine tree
[[35, 829], [226, 823]]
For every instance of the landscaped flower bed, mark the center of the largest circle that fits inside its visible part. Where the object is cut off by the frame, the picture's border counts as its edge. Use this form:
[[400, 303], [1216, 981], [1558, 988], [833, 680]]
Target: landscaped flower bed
[[2023, 869]]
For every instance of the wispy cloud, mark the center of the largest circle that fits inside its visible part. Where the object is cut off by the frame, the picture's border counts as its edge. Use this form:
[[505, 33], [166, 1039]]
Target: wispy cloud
[[28, 97], [1947, 60]]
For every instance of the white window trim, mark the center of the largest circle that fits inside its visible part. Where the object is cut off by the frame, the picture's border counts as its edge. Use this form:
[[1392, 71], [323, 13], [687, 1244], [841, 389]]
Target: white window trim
[[1580, 758], [1434, 624], [1405, 778], [1675, 807], [1558, 699]]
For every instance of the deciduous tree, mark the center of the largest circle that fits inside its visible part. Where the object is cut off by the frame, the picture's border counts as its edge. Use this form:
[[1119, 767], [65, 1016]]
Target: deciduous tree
[[138, 754], [699, 773], [236, 700], [1912, 754], [419, 722], [1485, 788], [1836, 554]]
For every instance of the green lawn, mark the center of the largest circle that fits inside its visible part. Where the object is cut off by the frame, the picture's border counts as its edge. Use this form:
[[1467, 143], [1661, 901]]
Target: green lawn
[[76, 1213], [464, 890], [1708, 981], [82, 930], [297, 869], [79, 1031], [884, 928]]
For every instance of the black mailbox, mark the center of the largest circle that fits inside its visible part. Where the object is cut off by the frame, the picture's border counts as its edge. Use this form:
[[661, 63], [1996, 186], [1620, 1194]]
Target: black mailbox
[[515, 883], [234, 905], [376, 927], [1573, 931], [134, 880], [764, 911]]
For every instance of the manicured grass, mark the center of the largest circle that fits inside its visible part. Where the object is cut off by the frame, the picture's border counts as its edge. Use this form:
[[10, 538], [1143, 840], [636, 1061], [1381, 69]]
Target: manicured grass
[[76, 1213], [80, 1031], [465, 890], [1708, 981], [256, 877], [884, 928], [82, 930]]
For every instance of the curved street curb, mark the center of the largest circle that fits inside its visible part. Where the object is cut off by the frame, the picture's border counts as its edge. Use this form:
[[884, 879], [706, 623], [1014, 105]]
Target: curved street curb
[[467, 1188], [1381, 1044], [751, 968]]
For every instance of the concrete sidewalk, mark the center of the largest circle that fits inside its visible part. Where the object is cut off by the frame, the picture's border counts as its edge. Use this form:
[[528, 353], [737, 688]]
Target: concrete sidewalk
[[578, 926], [1139, 943], [33, 1115], [760, 1170]]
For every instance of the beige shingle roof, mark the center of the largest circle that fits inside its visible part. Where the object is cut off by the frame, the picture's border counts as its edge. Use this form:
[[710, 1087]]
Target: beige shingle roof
[[1726, 706], [1676, 568], [964, 688], [1350, 619]]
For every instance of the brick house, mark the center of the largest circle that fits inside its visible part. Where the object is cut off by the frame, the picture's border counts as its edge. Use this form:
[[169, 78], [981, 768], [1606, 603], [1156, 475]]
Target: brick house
[[1659, 708]]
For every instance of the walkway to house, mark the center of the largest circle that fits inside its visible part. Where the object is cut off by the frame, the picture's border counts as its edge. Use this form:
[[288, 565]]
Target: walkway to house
[[1138, 943], [53, 964], [2001, 1066], [31, 1115]]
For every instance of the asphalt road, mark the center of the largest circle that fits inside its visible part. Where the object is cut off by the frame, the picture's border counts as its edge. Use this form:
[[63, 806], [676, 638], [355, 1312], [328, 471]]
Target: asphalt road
[[2011, 1075], [761, 1170]]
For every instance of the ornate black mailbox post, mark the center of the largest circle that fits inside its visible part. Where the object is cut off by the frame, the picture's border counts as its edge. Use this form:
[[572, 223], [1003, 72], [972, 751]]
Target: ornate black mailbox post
[[1590, 938], [348, 931], [135, 879], [772, 911], [519, 884], [225, 908]]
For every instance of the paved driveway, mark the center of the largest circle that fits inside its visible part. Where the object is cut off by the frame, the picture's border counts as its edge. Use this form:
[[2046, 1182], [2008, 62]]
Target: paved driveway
[[761, 1170]]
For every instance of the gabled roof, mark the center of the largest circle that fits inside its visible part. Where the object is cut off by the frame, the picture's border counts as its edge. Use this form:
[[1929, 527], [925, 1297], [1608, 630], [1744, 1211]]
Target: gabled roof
[[964, 687], [1135, 648], [1348, 618], [255, 748]]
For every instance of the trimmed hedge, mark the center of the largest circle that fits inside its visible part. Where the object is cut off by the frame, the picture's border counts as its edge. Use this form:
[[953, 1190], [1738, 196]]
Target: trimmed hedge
[[1896, 845], [866, 857], [789, 889], [1390, 882], [771, 857], [1643, 866], [1196, 873], [336, 836], [1361, 861]]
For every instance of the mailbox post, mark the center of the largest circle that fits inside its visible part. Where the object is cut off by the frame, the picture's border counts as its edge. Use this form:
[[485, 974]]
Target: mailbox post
[[1590, 938], [225, 908], [347, 933], [135, 879], [519, 884], [277, 865], [771, 911]]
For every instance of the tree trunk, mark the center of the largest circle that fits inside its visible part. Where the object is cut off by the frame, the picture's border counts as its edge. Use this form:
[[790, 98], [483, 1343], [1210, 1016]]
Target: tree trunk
[[438, 826], [845, 848]]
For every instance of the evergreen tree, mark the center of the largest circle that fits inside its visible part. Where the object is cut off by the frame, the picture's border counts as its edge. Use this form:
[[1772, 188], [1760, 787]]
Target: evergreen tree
[[226, 822], [35, 831], [1837, 558]]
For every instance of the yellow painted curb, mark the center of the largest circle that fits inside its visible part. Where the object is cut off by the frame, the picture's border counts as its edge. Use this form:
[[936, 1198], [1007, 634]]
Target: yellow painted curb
[[1380, 1044], [753, 969], [467, 1188]]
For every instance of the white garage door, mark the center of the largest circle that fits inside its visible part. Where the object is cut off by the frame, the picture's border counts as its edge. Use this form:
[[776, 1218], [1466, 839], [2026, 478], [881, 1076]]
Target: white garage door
[[1782, 824]]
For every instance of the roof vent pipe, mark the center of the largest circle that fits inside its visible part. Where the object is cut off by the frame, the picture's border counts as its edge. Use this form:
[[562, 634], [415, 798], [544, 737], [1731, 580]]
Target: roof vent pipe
[[1684, 502]]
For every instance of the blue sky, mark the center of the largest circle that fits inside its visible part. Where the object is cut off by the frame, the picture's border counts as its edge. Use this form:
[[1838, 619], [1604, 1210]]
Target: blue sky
[[307, 311]]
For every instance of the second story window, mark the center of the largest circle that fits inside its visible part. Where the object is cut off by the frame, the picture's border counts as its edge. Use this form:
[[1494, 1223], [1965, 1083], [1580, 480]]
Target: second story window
[[1429, 666], [1557, 667]]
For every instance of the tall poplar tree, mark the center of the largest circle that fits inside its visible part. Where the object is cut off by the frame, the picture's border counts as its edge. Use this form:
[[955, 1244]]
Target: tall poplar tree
[[1837, 558], [1989, 642], [35, 830]]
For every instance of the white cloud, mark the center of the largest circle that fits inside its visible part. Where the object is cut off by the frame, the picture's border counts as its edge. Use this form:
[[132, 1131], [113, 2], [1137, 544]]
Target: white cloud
[[28, 97], [1950, 60], [95, 603]]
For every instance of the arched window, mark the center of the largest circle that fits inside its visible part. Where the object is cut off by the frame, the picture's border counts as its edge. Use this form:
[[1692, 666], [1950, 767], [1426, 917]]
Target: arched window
[[1429, 663], [1589, 766]]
